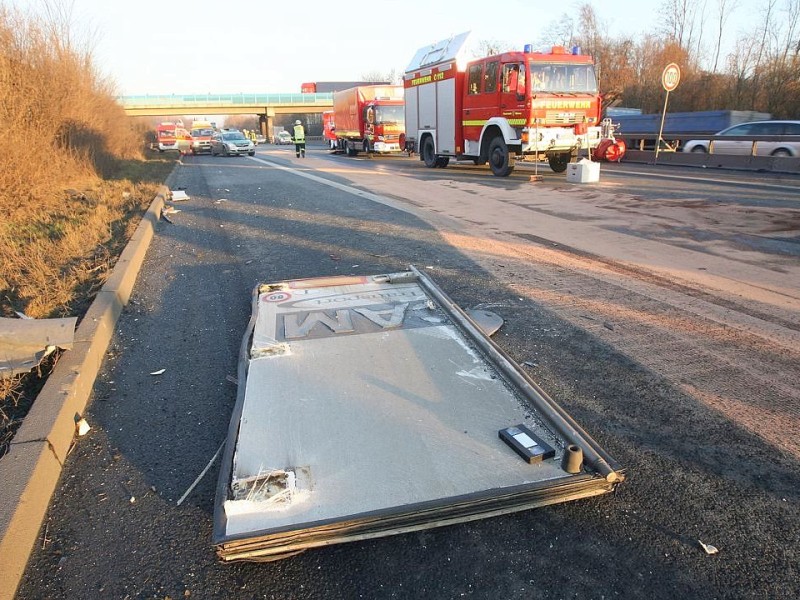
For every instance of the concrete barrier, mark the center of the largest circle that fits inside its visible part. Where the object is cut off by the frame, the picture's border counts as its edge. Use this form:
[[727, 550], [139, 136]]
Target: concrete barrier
[[774, 164]]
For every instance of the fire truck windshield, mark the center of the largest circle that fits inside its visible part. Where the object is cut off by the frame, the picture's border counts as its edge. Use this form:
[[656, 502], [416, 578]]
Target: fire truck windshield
[[563, 78], [390, 114]]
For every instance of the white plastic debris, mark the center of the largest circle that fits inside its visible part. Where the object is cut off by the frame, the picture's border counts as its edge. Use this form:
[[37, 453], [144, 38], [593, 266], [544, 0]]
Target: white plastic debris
[[708, 548], [82, 427], [159, 372], [179, 195]]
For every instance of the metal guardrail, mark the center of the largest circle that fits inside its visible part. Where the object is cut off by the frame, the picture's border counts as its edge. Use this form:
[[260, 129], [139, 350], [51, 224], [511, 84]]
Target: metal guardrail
[[647, 141]]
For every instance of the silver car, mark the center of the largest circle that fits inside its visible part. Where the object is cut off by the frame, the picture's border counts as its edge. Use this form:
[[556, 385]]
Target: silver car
[[231, 142], [755, 128], [283, 137]]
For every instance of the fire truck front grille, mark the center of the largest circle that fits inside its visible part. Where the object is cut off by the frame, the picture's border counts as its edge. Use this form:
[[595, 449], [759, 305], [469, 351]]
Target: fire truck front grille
[[558, 117]]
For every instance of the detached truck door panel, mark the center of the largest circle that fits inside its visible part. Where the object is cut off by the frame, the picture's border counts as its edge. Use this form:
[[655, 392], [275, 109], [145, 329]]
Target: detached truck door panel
[[374, 405]]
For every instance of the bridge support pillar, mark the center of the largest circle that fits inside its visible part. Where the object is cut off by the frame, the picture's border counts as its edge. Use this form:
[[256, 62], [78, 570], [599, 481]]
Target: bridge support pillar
[[266, 121]]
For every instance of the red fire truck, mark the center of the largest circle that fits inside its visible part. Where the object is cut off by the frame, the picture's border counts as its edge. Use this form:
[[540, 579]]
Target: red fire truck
[[369, 118], [501, 108]]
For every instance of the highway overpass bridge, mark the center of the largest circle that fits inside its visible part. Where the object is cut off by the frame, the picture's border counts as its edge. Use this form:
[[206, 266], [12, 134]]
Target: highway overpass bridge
[[266, 106]]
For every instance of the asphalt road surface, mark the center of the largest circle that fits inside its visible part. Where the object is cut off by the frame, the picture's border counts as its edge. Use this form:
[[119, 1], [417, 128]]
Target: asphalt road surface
[[659, 307]]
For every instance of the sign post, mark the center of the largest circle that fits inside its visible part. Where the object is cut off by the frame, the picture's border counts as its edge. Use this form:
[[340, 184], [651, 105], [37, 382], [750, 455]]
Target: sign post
[[670, 78]]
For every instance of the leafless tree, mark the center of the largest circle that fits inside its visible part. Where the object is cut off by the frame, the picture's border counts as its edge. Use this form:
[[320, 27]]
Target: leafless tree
[[559, 33], [392, 76], [724, 10], [491, 47], [684, 22]]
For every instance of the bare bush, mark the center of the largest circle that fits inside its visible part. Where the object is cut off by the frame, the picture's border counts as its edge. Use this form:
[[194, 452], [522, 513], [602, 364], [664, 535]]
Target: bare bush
[[73, 182], [58, 114]]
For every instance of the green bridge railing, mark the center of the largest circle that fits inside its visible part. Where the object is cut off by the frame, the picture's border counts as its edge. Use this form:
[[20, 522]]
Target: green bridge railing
[[175, 100]]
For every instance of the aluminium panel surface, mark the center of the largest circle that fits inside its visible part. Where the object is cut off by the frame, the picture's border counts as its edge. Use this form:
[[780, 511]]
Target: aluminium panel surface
[[426, 102], [452, 48], [446, 116], [366, 410], [411, 112]]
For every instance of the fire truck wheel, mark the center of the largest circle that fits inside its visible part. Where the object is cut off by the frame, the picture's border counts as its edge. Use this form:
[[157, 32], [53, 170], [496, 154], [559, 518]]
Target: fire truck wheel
[[428, 153], [351, 150], [499, 159], [559, 162]]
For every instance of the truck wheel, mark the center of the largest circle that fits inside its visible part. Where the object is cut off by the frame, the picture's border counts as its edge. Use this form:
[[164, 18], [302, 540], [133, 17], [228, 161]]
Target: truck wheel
[[351, 150], [559, 162], [499, 159], [428, 154], [442, 161]]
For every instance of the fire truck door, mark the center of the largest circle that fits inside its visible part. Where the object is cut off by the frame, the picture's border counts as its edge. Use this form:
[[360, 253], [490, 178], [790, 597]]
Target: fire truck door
[[481, 98], [512, 93]]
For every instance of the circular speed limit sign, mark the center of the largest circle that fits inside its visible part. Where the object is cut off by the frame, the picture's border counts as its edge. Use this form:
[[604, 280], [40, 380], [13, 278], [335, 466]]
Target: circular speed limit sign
[[671, 77]]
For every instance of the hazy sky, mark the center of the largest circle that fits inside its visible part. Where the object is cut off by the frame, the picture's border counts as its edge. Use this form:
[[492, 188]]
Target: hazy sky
[[199, 46]]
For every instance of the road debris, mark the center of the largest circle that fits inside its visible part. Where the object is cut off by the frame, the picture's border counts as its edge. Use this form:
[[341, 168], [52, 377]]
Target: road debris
[[202, 474], [24, 342], [159, 372], [314, 352], [709, 549], [82, 427]]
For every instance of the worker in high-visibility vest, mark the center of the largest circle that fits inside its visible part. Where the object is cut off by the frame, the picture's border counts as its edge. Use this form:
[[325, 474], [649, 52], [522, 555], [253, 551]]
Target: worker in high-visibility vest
[[299, 138]]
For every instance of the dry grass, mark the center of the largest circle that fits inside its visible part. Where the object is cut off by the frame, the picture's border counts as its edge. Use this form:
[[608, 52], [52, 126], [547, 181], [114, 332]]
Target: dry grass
[[74, 182]]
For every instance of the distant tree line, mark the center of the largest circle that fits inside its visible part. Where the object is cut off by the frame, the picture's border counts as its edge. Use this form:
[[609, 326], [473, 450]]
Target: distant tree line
[[761, 72]]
